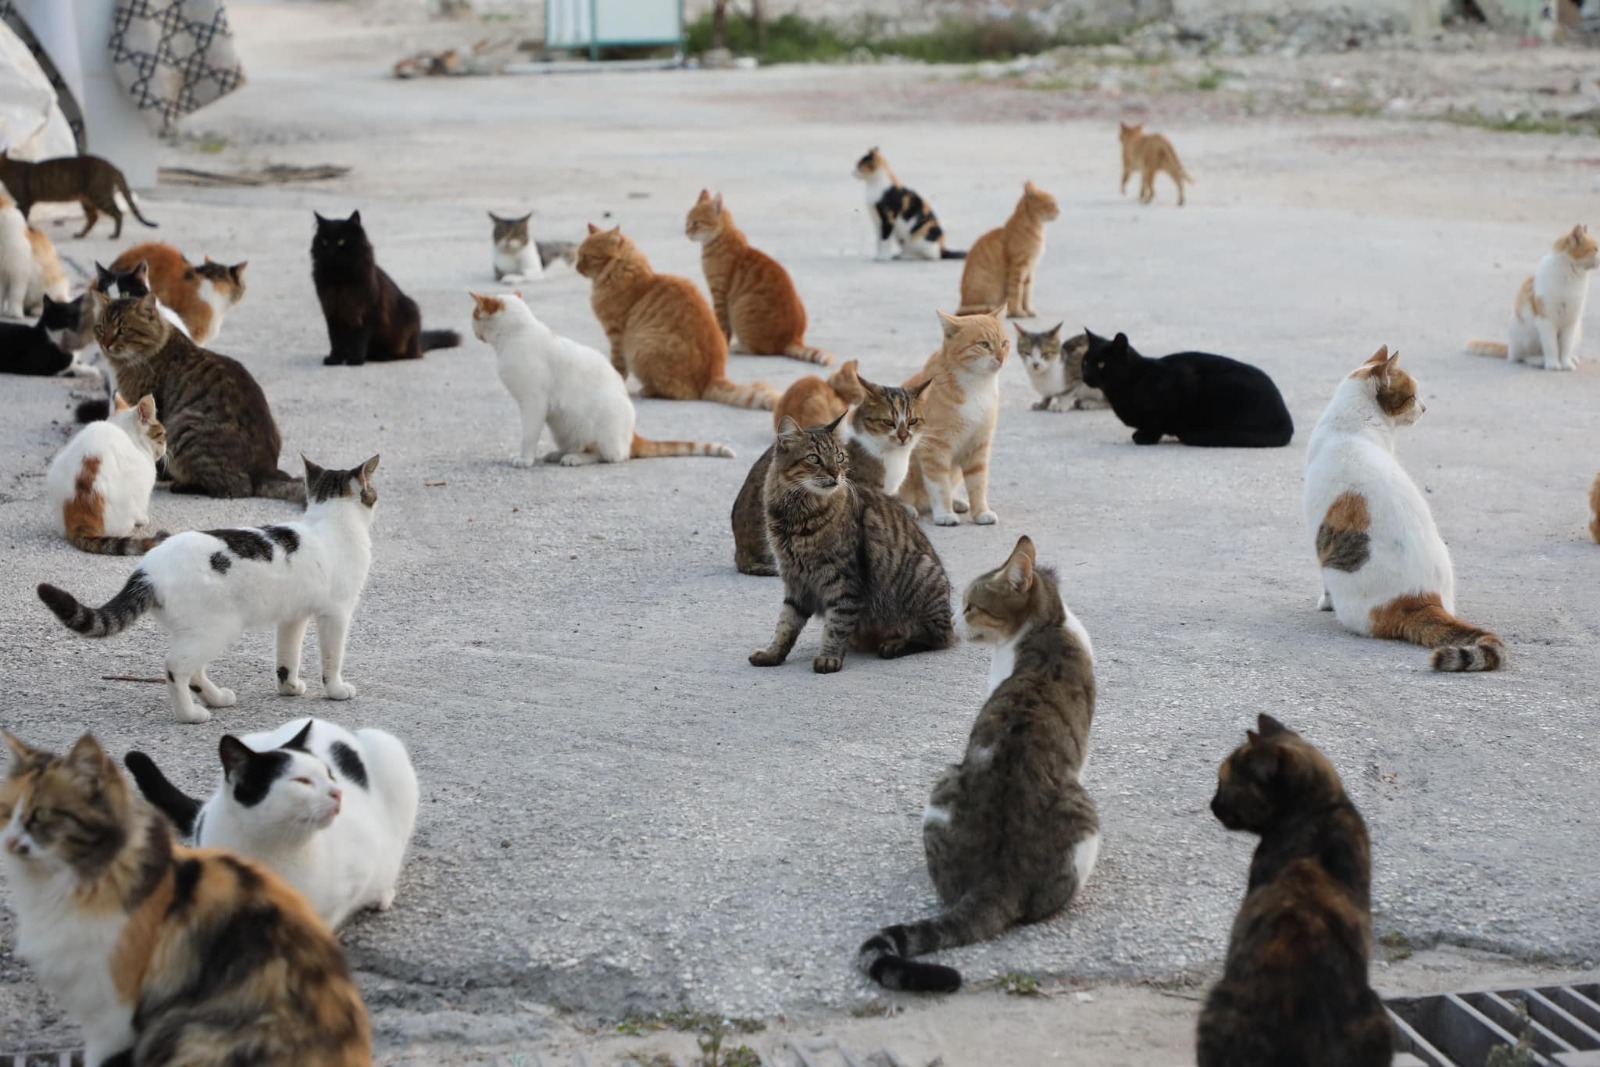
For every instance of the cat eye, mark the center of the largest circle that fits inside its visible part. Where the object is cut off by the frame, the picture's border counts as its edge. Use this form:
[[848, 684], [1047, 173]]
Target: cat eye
[[814, 458], [305, 781], [986, 346], [838, 457], [915, 422]]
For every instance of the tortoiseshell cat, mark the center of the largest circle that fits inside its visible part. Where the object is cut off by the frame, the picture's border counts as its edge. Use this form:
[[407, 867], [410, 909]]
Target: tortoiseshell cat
[[90, 180], [368, 316], [1055, 367]]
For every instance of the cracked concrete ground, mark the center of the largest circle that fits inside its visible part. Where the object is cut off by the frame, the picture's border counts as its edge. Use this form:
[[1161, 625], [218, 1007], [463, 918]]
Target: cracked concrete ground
[[620, 815]]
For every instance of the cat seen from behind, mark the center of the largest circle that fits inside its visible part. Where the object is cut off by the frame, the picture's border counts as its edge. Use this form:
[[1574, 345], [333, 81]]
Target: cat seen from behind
[[1547, 320], [900, 217], [1055, 367], [88, 180], [812, 401], [205, 588], [162, 954], [1001, 267], [368, 317], [520, 258], [1010, 834], [1295, 987], [569, 386], [200, 296], [98, 487], [1149, 154], [1201, 399], [1385, 570]]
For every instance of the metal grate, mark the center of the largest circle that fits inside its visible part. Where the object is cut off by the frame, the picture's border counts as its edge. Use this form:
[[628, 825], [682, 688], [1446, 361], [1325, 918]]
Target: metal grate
[[1550, 1026]]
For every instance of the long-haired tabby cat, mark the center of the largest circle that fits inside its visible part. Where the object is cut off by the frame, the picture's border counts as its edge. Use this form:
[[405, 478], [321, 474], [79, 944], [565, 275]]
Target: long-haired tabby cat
[[89, 180], [164, 955], [1295, 987], [899, 214], [1000, 268], [368, 317], [221, 437], [571, 387], [518, 257], [753, 296], [963, 407], [849, 552], [50, 345], [879, 434], [661, 329], [1055, 367], [1011, 835], [98, 487], [1385, 570], [1149, 154], [812, 401], [200, 296], [1547, 320], [205, 588]]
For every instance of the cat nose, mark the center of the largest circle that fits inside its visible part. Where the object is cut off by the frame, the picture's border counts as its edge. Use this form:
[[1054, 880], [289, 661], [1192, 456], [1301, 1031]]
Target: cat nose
[[337, 796], [16, 845]]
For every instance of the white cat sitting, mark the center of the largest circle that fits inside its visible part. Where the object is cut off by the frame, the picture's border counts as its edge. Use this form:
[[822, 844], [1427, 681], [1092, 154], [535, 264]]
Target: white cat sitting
[[572, 387], [98, 487], [206, 588], [1547, 321], [329, 810]]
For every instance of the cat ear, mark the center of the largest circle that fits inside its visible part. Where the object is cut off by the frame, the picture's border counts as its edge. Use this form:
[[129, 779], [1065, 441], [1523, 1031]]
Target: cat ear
[[148, 303], [87, 756], [615, 229], [301, 741], [1119, 343], [496, 218], [716, 202], [705, 194], [525, 218], [1269, 726], [118, 404], [147, 408], [593, 228], [365, 471], [788, 429], [141, 273], [320, 220], [237, 270], [1019, 565], [951, 324], [833, 427], [1056, 329], [21, 754], [917, 390], [313, 472], [235, 755], [1578, 232], [517, 293], [998, 313], [354, 219]]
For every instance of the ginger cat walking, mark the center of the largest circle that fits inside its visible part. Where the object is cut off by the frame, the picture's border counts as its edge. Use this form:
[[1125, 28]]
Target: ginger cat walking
[[1000, 267], [753, 296], [1149, 154]]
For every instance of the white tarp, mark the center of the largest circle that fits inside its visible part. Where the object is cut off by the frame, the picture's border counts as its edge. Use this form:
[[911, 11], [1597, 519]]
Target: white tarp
[[31, 125]]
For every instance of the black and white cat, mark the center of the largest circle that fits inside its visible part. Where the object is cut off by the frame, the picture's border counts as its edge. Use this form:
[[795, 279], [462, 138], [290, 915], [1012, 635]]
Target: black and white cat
[[49, 346], [329, 810]]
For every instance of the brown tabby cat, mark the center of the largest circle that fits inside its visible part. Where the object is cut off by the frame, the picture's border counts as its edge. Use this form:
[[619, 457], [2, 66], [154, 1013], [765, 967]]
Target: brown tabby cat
[[660, 327], [1295, 987], [1010, 834], [89, 180], [754, 297], [165, 955], [879, 434], [812, 401], [850, 552], [221, 437], [963, 406], [1149, 154], [1000, 267]]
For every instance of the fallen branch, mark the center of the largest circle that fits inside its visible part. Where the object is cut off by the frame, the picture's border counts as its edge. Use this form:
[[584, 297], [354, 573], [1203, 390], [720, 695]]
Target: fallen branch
[[131, 678]]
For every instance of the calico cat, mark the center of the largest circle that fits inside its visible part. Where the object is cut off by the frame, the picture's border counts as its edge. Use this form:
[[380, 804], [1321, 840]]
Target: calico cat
[[660, 328], [571, 387], [50, 345], [368, 316], [963, 407], [328, 811], [222, 440], [1149, 154], [900, 215], [205, 588], [879, 434], [1385, 570], [1547, 321], [89, 180], [199, 296], [99, 486], [1001, 266], [1055, 367], [164, 955], [753, 296], [812, 401], [1295, 987], [518, 257], [850, 552], [1201, 399], [1011, 835]]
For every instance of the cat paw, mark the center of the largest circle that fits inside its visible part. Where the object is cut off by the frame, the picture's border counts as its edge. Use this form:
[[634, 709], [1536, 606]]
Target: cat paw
[[947, 519], [893, 648], [193, 714], [333, 361], [960, 507], [553, 457], [338, 690], [1325, 601], [1146, 437], [763, 657], [292, 688], [828, 664], [986, 518], [522, 462], [220, 698], [386, 901], [572, 459]]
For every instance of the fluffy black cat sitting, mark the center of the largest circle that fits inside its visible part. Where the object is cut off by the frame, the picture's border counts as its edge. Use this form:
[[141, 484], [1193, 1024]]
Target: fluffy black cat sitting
[[368, 316], [1199, 398], [47, 346]]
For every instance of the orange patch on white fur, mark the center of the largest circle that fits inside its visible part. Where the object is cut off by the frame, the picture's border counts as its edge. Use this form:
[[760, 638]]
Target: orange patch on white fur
[[1577, 243], [84, 514], [1348, 512], [1528, 301]]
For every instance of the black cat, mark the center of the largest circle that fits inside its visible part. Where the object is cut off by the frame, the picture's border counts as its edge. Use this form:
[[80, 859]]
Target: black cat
[[48, 345], [368, 316], [1199, 398]]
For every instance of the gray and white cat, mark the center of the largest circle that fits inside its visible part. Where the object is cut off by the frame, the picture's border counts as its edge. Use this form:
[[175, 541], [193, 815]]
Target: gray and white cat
[[519, 258], [1055, 367], [1010, 834], [328, 810]]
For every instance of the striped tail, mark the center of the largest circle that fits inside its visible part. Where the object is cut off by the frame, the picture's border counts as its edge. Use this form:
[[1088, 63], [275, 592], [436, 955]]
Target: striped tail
[[809, 354], [1498, 349], [755, 395], [644, 448], [281, 485], [432, 339], [127, 194], [886, 956], [1457, 646], [172, 802], [115, 546], [121, 611]]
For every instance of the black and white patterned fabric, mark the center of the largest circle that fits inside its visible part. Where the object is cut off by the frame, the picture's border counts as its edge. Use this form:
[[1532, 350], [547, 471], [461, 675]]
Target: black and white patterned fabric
[[174, 56]]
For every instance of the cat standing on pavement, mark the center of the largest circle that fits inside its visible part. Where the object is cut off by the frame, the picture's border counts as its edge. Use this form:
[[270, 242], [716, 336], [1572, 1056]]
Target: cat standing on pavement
[[89, 180], [519, 258], [1547, 321], [1011, 835], [1055, 367], [899, 215], [329, 811], [98, 487], [1149, 154], [205, 588], [1000, 268], [368, 317]]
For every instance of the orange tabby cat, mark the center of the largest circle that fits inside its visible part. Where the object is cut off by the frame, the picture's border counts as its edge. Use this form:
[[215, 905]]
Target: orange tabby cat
[[814, 401], [1001, 263], [1150, 154], [753, 295], [660, 327], [200, 296], [960, 410]]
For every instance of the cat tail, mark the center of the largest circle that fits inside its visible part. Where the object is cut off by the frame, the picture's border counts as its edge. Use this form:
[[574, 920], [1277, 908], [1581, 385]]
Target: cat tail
[[432, 339], [93, 411], [127, 194], [644, 448], [1498, 349], [755, 395], [121, 611], [171, 801], [1457, 646], [886, 956], [952, 253], [809, 354], [281, 485], [116, 546]]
